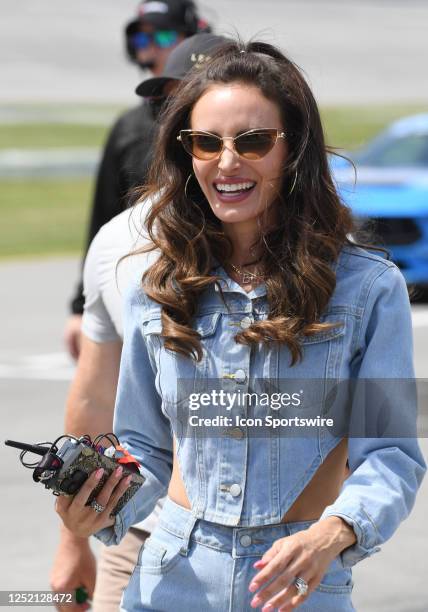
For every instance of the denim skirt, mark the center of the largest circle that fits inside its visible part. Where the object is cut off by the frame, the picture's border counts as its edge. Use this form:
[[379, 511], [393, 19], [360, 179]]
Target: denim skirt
[[192, 564]]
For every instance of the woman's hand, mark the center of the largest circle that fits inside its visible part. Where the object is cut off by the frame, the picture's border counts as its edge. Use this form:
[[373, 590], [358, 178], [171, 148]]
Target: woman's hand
[[84, 520], [306, 554]]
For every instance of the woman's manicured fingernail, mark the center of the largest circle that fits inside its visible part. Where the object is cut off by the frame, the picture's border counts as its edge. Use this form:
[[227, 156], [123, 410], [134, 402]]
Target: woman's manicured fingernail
[[267, 608], [99, 473], [256, 601], [128, 480], [259, 563], [118, 471], [253, 587]]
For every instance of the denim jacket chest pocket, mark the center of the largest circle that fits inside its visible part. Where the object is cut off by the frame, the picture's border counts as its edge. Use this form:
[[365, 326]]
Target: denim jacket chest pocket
[[176, 374], [324, 362], [322, 353]]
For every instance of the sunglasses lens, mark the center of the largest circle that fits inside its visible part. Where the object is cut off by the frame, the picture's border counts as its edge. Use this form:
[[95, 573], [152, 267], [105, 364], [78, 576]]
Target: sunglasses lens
[[141, 40], [256, 144], [165, 38], [202, 146]]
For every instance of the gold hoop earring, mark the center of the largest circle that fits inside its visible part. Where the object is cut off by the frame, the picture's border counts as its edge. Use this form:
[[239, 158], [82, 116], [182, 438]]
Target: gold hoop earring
[[294, 183], [185, 186]]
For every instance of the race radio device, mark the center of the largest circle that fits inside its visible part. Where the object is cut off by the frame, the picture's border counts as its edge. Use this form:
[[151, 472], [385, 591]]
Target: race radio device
[[64, 469]]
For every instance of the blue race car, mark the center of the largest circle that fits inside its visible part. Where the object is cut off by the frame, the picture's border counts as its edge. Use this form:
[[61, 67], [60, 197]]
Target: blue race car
[[390, 195]]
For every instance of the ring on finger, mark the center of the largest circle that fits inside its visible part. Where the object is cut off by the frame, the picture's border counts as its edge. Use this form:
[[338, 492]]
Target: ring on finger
[[97, 507], [301, 586]]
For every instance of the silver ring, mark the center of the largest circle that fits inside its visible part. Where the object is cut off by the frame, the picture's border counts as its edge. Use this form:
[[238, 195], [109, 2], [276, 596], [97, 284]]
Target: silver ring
[[301, 585], [96, 506]]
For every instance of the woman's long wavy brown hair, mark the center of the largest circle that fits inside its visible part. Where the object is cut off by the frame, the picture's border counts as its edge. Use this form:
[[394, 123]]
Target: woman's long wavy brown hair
[[298, 254]]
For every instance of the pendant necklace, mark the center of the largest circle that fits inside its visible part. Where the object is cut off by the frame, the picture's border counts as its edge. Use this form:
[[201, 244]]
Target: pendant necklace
[[246, 277]]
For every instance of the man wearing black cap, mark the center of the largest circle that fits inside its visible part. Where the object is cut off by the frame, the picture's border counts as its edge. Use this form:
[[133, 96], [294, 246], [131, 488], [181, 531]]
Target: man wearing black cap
[[160, 26], [91, 397], [151, 36]]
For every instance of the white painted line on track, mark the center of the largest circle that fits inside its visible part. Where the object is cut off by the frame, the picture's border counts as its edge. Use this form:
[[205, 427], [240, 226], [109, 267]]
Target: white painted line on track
[[47, 366], [16, 163]]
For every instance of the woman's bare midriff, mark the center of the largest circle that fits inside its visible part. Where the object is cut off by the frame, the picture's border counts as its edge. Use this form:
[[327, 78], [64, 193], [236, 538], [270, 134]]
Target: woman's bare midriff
[[320, 492]]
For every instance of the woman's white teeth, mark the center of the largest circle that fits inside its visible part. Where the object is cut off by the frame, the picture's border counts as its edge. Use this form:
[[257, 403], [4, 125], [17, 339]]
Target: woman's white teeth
[[234, 187]]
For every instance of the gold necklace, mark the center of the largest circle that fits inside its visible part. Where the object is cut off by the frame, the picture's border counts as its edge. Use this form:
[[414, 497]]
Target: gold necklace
[[246, 276]]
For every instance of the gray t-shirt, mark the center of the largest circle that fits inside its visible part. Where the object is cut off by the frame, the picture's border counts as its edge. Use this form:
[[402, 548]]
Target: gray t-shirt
[[104, 282]]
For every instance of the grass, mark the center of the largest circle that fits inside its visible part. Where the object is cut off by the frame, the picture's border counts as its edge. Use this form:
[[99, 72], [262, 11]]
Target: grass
[[43, 217], [48, 217], [351, 127], [48, 136]]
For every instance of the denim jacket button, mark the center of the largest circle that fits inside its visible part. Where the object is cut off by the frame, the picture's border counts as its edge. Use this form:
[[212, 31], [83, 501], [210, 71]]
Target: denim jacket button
[[234, 432], [240, 376], [245, 541], [237, 433], [235, 490], [246, 322]]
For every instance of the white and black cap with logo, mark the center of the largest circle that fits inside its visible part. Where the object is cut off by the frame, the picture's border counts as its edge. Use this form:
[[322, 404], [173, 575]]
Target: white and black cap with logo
[[191, 52]]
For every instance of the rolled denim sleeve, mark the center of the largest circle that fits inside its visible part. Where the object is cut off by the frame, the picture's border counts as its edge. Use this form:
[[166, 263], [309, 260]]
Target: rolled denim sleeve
[[385, 472], [139, 423]]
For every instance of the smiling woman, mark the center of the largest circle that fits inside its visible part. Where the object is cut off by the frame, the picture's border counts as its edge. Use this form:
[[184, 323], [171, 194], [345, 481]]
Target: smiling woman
[[252, 177], [256, 287], [262, 146]]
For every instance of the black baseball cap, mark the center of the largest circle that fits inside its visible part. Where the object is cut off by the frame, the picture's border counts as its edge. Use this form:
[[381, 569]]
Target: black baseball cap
[[190, 52], [179, 15]]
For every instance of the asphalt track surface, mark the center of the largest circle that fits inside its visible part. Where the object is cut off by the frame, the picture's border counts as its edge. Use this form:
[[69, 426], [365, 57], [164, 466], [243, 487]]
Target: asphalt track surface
[[34, 377], [358, 51]]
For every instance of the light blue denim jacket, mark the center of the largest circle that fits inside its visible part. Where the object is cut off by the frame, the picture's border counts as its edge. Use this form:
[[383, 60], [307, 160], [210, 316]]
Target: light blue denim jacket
[[250, 480]]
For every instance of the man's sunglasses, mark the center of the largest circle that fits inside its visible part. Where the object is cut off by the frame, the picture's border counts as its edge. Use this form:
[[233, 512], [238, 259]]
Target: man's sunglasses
[[251, 145], [160, 38]]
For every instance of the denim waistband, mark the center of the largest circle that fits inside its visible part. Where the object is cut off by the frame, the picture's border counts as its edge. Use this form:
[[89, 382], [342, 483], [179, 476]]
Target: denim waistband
[[239, 541]]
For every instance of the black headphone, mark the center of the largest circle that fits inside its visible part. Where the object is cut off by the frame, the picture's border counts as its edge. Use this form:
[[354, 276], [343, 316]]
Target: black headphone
[[191, 18]]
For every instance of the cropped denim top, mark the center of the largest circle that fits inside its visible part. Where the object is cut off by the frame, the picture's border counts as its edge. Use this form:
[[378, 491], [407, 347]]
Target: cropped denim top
[[235, 478]]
